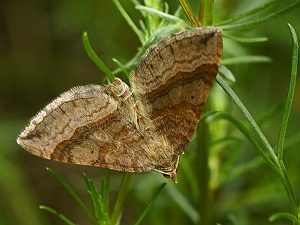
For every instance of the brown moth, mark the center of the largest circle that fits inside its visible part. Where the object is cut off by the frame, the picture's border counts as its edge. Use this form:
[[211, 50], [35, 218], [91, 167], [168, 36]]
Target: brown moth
[[138, 129]]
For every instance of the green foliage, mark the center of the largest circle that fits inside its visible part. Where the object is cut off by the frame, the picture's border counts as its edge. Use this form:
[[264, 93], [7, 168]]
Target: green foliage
[[100, 200], [255, 22], [196, 195], [93, 56]]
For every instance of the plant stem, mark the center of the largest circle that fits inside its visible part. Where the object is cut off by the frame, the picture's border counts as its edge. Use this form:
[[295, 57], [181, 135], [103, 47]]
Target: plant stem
[[189, 13], [276, 165], [206, 12], [202, 138], [252, 123], [288, 187], [120, 198], [286, 115], [204, 199]]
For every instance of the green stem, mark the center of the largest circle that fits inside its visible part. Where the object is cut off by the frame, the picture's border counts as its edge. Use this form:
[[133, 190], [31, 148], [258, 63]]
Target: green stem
[[288, 188], [189, 13], [120, 198], [206, 12], [204, 203], [276, 165], [285, 119], [251, 121]]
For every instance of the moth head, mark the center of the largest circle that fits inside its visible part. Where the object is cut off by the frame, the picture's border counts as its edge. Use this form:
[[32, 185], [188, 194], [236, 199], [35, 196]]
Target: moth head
[[118, 88]]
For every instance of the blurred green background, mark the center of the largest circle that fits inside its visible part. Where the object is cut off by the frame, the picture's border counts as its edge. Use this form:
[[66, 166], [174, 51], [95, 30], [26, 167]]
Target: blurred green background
[[41, 55]]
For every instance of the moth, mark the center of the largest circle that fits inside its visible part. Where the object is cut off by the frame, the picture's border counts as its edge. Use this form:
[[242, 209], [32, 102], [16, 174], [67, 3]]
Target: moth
[[139, 128]]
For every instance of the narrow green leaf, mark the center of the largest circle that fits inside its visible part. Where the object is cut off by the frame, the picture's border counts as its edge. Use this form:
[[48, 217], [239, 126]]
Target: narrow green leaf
[[291, 91], [246, 59], [164, 21], [208, 114], [101, 209], [120, 198], [250, 12], [104, 211], [285, 180], [223, 70], [56, 213], [122, 67], [152, 20], [245, 40], [252, 123], [161, 14], [283, 215], [226, 139], [253, 23], [94, 196], [93, 56], [275, 164], [129, 21], [150, 204], [74, 195]]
